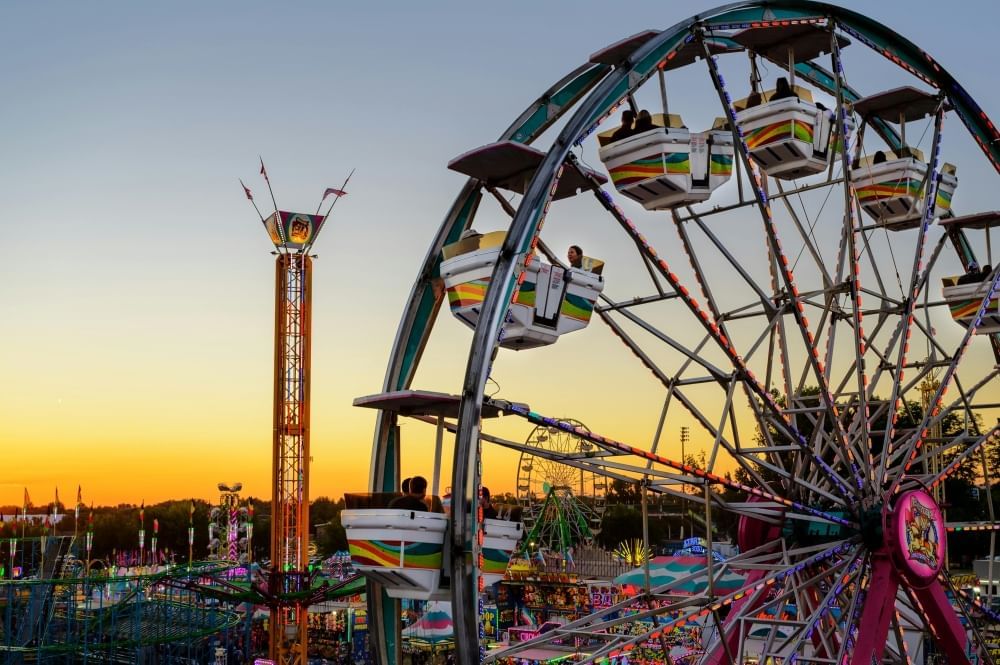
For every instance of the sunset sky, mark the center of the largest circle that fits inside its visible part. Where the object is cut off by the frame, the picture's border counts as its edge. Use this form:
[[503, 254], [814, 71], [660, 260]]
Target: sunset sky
[[137, 291]]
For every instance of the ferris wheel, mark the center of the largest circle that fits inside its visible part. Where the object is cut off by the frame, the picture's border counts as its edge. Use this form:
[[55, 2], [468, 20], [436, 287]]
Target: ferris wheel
[[562, 505], [786, 264]]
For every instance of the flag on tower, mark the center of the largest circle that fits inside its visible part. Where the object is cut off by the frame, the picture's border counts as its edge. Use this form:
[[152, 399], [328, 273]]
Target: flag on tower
[[263, 171], [246, 190], [56, 505], [79, 495], [27, 501], [334, 191]]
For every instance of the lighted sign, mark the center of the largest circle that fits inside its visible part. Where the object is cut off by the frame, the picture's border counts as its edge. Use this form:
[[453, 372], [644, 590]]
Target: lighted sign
[[920, 535], [293, 230]]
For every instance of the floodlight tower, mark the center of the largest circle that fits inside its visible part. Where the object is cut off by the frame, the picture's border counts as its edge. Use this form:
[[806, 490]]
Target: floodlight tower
[[293, 235]]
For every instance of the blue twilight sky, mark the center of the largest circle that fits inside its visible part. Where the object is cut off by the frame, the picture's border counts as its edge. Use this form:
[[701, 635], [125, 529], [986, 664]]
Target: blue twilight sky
[[136, 287]]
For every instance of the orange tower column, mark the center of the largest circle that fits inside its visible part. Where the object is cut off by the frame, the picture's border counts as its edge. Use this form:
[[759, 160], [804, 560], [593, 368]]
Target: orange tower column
[[290, 476]]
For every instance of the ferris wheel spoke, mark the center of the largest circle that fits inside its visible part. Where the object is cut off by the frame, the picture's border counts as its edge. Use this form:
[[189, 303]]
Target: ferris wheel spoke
[[765, 299], [758, 583], [916, 284], [692, 355], [840, 578], [935, 413], [784, 270], [611, 444], [712, 329], [687, 403], [973, 447], [908, 451]]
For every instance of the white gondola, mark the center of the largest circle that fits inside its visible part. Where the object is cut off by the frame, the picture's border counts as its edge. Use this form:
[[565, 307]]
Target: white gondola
[[551, 301], [500, 539], [893, 189], [400, 549], [964, 301], [668, 166], [791, 137], [404, 549], [893, 192]]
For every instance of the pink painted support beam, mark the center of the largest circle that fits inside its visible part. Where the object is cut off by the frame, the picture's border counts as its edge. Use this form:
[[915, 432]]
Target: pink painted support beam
[[751, 534], [734, 630], [944, 623], [880, 607]]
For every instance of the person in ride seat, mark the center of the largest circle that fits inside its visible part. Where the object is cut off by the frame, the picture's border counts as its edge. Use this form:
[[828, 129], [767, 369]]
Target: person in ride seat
[[628, 122], [782, 90], [879, 157], [489, 512], [416, 499], [754, 99], [644, 122], [985, 272], [575, 256], [971, 275]]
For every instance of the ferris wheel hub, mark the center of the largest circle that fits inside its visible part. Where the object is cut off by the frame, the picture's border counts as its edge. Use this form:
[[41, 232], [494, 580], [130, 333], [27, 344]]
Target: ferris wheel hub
[[915, 536]]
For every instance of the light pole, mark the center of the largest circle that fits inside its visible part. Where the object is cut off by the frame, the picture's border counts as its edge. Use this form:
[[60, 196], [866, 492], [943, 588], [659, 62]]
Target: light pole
[[685, 437]]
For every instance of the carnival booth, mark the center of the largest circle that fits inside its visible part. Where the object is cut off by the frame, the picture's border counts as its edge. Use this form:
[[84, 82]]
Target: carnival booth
[[787, 133], [891, 185]]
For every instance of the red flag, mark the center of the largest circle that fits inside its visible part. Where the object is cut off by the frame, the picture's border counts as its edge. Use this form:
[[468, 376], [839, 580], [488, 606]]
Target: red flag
[[263, 171], [334, 191], [246, 190], [156, 525]]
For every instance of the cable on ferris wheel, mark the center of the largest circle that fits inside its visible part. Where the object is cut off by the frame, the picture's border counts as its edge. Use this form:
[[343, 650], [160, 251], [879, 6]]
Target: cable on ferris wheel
[[796, 330]]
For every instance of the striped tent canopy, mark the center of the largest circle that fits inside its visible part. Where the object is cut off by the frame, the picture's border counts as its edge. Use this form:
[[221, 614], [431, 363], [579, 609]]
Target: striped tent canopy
[[666, 569], [434, 627]]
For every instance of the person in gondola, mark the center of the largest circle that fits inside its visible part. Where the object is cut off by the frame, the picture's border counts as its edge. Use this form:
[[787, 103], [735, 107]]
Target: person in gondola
[[489, 512], [754, 99], [782, 90], [971, 275], [644, 122], [985, 272], [879, 157], [415, 500], [575, 256], [627, 126]]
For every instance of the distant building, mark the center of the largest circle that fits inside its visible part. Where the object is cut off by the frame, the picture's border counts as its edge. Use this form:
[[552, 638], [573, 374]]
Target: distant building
[[33, 518]]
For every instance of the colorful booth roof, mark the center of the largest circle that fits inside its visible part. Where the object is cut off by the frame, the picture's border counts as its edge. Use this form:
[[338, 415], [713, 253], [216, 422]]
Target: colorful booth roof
[[667, 569], [434, 626]]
